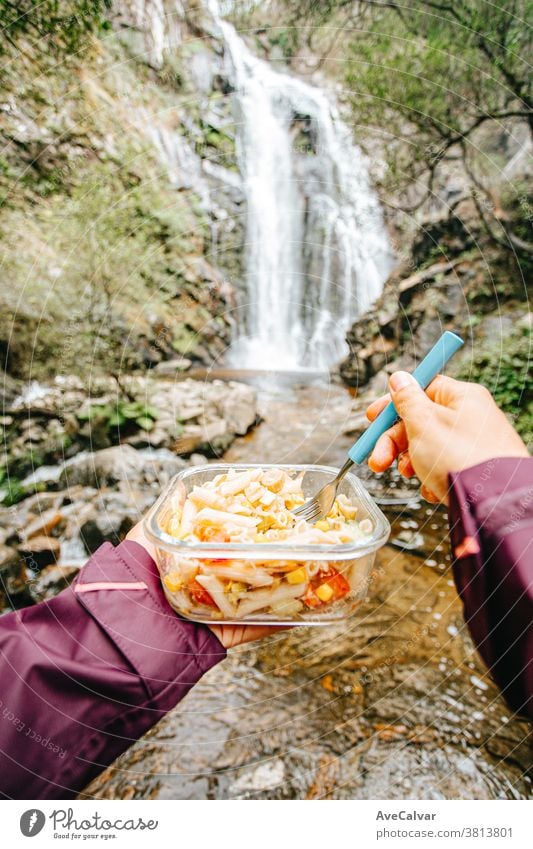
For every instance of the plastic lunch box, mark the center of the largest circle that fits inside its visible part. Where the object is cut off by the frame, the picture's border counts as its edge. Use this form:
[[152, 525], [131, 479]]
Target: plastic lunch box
[[353, 560]]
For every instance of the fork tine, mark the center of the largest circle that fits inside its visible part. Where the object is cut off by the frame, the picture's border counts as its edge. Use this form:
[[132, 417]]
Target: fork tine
[[305, 508], [308, 511]]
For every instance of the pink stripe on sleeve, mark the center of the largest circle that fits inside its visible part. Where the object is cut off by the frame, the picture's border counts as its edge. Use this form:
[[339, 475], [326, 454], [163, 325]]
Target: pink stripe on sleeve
[[110, 585]]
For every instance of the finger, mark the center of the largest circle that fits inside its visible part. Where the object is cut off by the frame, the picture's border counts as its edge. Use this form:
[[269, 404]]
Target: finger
[[409, 398], [428, 495], [236, 635], [446, 391], [405, 467], [375, 408], [387, 448], [442, 390]]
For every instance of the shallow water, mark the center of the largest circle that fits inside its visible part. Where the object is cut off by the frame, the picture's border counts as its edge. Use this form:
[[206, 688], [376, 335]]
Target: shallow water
[[392, 703]]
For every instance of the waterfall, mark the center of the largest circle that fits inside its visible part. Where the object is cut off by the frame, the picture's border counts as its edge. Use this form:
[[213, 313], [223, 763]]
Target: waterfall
[[317, 253]]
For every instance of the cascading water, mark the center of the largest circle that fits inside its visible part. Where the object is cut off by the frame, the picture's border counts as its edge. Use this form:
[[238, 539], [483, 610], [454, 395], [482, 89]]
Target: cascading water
[[317, 253]]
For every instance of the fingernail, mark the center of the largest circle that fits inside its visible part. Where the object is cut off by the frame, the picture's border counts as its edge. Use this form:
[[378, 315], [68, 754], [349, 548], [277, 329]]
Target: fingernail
[[399, 380]]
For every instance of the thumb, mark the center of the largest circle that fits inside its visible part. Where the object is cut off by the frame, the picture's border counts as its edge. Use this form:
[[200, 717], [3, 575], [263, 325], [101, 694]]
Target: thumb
[[408, 396]]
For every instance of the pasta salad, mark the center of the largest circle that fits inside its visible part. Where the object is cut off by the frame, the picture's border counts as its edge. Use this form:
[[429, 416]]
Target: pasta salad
[[255, 506]]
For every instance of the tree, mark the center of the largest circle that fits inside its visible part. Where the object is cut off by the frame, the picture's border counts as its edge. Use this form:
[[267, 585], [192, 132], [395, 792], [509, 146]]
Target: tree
[[431, 74]]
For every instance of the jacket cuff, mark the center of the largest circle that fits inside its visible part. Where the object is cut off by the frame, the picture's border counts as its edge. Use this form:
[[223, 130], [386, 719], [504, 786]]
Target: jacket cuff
[[121, 589], [496, 495]]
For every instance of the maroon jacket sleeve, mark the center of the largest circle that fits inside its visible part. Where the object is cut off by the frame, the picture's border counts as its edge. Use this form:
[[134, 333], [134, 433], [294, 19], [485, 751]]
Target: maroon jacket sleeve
[[491, 520], [86, 674]]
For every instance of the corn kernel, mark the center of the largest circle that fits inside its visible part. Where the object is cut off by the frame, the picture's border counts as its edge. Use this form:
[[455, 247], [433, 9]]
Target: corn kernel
[[324, 592], [322, 525], [297, 576], [173, 583], [273, 480], [237, 587]]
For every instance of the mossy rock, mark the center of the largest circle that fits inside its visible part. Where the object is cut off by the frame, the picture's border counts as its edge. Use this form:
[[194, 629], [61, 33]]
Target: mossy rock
[[185, 340]]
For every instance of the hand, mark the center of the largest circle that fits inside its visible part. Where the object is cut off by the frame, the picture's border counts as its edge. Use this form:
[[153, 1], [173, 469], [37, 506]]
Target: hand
[[235, 635], [448, 428], [229, 635]]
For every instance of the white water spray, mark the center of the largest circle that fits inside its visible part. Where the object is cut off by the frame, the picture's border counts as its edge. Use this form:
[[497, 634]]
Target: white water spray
[[317, 253]]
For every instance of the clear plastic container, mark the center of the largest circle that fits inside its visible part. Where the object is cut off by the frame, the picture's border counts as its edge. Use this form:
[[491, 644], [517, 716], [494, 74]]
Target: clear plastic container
[[179, 560]]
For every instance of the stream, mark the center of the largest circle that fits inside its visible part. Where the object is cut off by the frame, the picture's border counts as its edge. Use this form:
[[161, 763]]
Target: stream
[[390, 704]]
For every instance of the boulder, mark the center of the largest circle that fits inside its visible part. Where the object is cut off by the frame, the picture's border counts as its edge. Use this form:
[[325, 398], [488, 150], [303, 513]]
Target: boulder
[[105, 526], [239, 407], [9, 559], [197, 460], [47, 475], [39, 552], [160, 465], [171, 367], [43, 525], [103, 468], [50, 581]]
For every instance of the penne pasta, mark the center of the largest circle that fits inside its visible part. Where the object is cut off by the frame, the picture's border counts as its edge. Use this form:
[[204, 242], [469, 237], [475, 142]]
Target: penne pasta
[[233, 570], [207, 516], [254, 506], [203, 497], [260, 599], [216, 590]]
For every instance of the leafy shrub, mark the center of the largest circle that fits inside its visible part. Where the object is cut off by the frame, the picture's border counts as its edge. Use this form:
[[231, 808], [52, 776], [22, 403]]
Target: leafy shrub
[[506, 373], [132, 414]]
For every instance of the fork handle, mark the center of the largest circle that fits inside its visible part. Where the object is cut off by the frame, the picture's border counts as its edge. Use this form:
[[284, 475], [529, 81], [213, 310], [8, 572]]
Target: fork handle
[[432, 364]]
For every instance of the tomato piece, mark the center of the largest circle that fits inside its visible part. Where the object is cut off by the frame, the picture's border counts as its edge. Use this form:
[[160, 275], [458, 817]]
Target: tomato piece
[[200, 594], [334, 580]]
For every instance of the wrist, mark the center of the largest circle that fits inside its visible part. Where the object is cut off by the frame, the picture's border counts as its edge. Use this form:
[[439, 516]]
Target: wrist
[[136, 534]]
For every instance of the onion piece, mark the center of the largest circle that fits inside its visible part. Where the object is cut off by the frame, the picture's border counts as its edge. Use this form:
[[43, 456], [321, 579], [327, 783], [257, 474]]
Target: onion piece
[[215, 588], [265, 598]]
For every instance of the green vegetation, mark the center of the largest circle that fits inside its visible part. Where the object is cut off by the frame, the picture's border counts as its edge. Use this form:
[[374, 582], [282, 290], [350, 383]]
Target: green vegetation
[[11, 490], [109, 246], [121, 416], [439, 86], [505, 371], [286, 38], [59, 26], [98, 257]]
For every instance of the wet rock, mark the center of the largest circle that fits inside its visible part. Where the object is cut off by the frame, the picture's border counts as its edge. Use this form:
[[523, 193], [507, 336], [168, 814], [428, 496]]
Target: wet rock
[[52, 425], [45, 475], [424, 295], [112, 517], [171, 367], [197, 460], [103, 468], [14, 584], [40, 551], [107, 528], [355, 425], [43, 525], [9, 389], [160, 465], [238, 407], [409, 541], [9, 558], [50, 581]]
